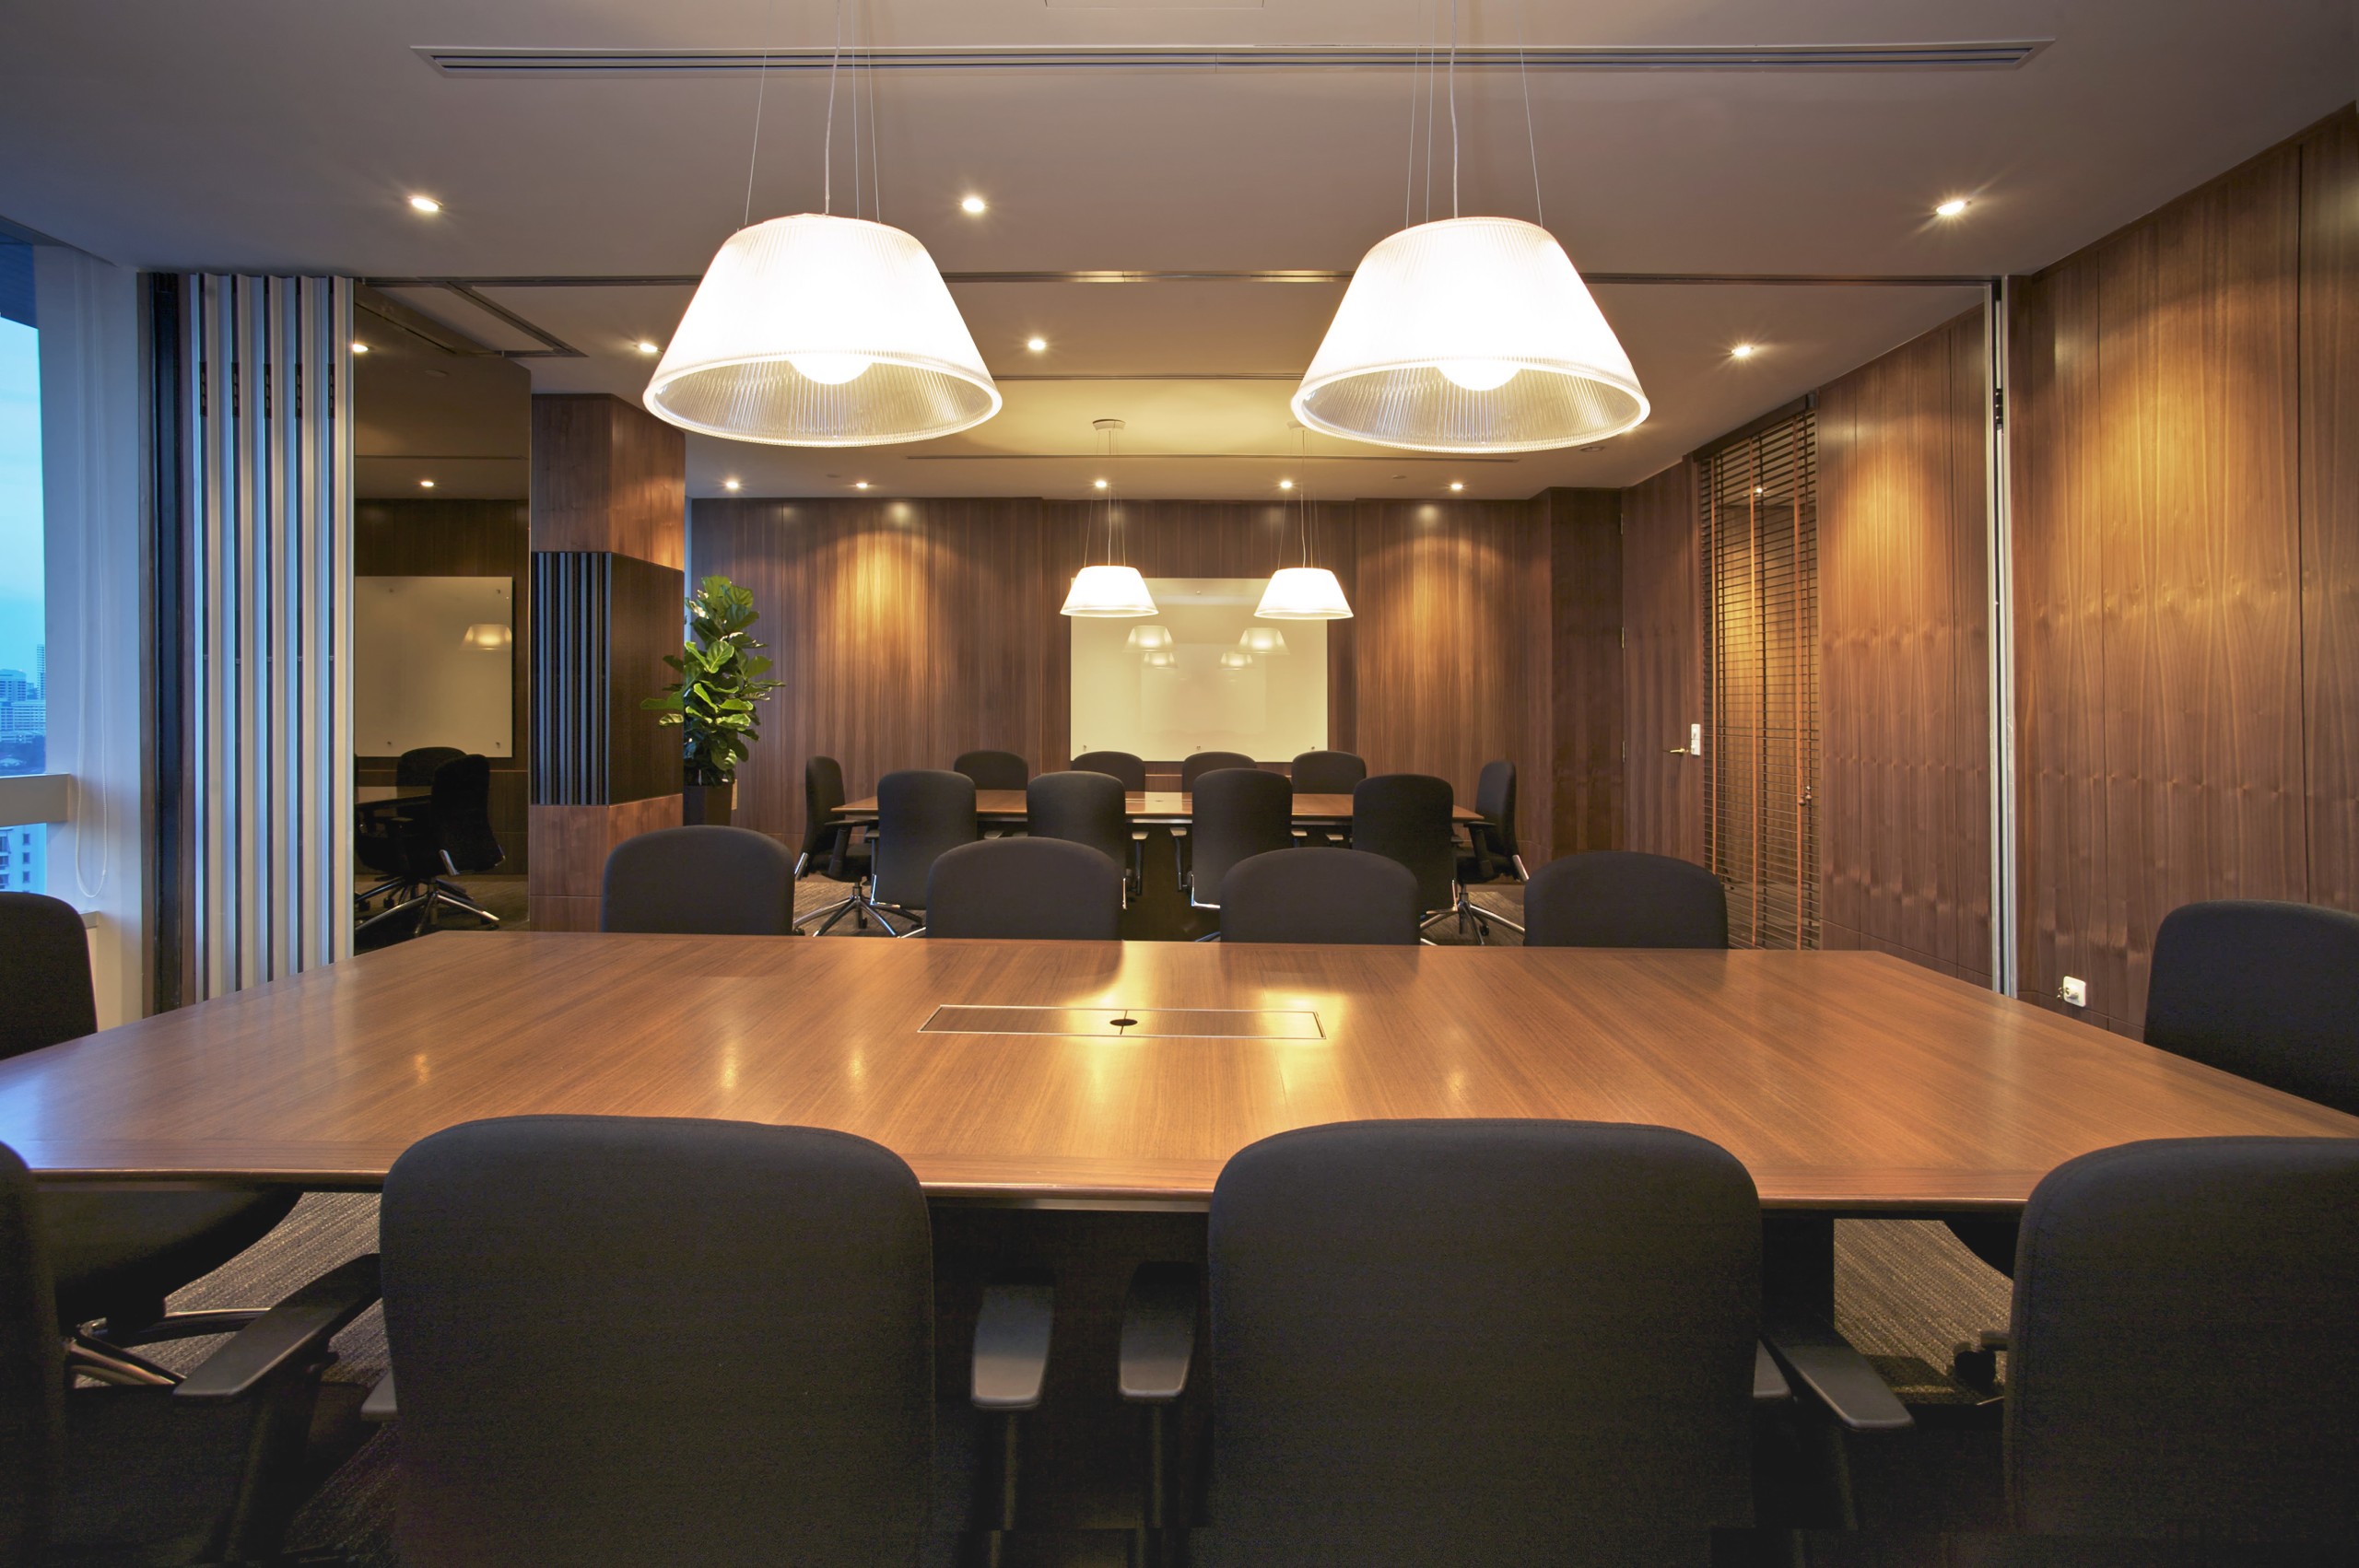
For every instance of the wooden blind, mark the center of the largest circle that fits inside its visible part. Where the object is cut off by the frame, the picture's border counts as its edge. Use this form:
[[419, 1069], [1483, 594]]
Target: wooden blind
[[1758, 512]]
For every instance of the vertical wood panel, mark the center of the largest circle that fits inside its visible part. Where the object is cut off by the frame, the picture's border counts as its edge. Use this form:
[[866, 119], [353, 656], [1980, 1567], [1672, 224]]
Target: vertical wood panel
[[2330, 353], [1585, 620], [1663, 669], [1905, 804]]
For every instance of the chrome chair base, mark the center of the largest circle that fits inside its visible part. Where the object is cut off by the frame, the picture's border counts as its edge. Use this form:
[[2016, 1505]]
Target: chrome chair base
[[862, 908]]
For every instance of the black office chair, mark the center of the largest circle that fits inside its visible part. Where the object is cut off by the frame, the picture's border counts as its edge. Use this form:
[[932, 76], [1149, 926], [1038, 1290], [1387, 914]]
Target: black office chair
[[1491, 852], [1406, 817], [459, 805], [993, 770], [1030, 889], [703, 881], [920, 811], [114, 1256], [538, 1274], [829, 840], [1320, 896], [1481, 1341], [202, 1469], [1198, 764], [1081, 807], [416, 768], [1328, 773], [1119, 764], [2243, 1254], [1622, 898], [1236, 812], [395, 840], [419, 846]]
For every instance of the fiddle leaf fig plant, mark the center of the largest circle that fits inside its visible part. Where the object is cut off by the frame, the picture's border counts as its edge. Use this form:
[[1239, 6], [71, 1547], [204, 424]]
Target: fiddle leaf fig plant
[[721, 672]]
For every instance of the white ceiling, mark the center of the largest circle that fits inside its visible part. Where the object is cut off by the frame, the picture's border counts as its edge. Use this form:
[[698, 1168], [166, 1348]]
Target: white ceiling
[[285, 135]]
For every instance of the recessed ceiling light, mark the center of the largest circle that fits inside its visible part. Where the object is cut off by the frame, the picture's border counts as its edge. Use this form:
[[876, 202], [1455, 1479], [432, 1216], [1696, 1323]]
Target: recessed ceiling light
[[972, 203], [1951, 209], [1286, 483], [1458, 483], [360, 348], [1099, 483], [646, 347], [859, 483], [426, 483], [1741, 351], [1037, 345], [425, 203], [729, 484]]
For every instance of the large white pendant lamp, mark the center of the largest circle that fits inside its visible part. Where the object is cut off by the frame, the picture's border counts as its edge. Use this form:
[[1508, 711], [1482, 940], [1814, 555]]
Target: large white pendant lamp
[[1305, 592], [816, 331], [1108, 591]]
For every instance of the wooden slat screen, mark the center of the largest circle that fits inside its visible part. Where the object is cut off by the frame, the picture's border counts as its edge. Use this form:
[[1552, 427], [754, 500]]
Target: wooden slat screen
[[1757, 516]]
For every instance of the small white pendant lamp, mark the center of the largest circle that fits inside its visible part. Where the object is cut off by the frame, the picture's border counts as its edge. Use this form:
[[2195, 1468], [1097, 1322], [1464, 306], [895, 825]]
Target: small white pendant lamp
[[1305, 592], [1108, 591], [1262, 639], [1148, 637], [1236, 659]]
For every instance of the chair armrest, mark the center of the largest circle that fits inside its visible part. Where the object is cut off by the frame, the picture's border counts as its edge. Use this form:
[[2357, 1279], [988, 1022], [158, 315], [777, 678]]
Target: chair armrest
[[294, 1331], [1823, 1364], [1012, 1345], [1158, 1333], [1769, 1385], [379, 1406]]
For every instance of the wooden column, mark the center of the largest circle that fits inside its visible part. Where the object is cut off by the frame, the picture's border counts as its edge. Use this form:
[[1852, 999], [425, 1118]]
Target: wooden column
[[609, 500]]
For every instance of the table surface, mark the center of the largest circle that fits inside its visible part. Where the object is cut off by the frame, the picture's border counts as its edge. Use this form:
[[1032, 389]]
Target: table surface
[[1846, 1082], [1147, 805]]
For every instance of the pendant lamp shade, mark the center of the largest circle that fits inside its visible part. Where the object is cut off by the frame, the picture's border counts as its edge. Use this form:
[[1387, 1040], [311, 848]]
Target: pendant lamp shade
[[1149, 637], [815, 331], [1304, 593], [1471, 334], [1108, 593], [1262, 639]]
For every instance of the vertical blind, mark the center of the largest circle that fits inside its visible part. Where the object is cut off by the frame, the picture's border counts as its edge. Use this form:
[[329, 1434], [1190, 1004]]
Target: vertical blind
[[1757, 516]]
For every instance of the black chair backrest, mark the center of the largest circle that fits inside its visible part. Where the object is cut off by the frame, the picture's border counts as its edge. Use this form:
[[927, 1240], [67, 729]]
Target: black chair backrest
[[33, 1369], [823, 791], [461, 807], [538, 1273], [1495, 798], [706, 880], [1238, 813], [1196, 765], [1121, 764], [1081, 807], [45, 993], [1406, 817], [420, 763], [1622, 898], [2183, 1358], [1320, 896], [2267, 992], [1025, 890], [1493, 1337], [1328, 773], [993, 770], [920, 811]]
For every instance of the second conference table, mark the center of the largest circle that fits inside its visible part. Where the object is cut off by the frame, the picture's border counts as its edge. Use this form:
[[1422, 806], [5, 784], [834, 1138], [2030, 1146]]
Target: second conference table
[[1147, 808]]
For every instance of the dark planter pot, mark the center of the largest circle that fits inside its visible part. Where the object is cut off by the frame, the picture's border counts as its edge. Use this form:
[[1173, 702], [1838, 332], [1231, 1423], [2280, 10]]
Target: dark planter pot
[[705, 805]]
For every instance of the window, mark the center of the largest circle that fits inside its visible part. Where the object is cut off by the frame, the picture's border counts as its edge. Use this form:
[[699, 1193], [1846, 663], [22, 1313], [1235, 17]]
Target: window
[[24, 664], [1758, 500]]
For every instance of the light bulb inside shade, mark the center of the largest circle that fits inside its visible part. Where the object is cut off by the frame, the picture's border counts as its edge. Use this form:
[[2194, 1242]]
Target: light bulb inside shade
[[1303, 593], [1109, 593], [828, 369], [1478, 375]]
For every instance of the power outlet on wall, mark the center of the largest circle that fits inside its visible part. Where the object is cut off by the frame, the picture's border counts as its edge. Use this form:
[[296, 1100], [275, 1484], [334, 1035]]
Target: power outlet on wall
[[2074, 991]]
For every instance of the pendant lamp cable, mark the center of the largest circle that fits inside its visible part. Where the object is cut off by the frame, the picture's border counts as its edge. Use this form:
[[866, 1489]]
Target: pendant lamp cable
[[1433, 48], [761, 92], [1530, 140], [877, 137], [828, 144], [1453, 108]]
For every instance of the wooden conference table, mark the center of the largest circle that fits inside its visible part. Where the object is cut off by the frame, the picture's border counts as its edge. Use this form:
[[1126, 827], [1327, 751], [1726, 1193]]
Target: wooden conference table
[[1147, 808], [1847, 1082]]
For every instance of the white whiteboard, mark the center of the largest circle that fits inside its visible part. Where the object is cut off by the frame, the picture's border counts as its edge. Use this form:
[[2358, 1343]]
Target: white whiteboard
[[418, 680], [1270, 706]]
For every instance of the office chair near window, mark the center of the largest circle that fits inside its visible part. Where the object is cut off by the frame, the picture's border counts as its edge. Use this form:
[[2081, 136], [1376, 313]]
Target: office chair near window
[[538, 1270], [703, 881], [1236, 812], [993, 770], [827, 840], [1622, 898], [114, 1256], [921, 812], [1346, 896], [1480, 1341], [206, 1468], [2265, 990], [1326, 773], [1491, 851], [1130, 769], [2244, 1252], [1405, 817], [1030, 889], [1083, 807]]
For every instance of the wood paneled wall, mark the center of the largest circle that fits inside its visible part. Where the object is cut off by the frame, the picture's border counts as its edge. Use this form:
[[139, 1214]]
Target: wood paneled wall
[[1904, 628], [1585, 623], [2184, 527], [621, 482], [911, 630], [1663, 666]]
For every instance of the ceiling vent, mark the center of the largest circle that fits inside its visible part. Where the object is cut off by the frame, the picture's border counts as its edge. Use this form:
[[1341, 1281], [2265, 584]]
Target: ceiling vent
[[1989, 56]]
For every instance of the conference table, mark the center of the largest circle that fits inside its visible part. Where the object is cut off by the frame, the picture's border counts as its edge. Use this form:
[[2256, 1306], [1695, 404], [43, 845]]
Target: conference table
[[1147, 808]]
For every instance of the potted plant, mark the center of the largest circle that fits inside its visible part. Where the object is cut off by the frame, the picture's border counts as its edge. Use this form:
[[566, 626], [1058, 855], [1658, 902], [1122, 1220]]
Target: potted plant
[[712, 702]]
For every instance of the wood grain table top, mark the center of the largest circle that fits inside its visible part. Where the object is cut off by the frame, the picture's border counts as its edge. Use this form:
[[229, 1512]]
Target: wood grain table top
[[1145, 806], [1846, 1082]]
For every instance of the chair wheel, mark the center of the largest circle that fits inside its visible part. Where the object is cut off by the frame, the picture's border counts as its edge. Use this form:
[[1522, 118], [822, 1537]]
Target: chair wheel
[[1975, 1367]]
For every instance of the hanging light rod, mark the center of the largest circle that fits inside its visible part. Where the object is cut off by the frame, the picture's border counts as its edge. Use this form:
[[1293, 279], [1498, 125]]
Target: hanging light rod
[[1992, 54]]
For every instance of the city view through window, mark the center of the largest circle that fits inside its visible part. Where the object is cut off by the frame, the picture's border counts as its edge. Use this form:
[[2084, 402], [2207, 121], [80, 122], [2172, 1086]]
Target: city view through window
[[24, 662]]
